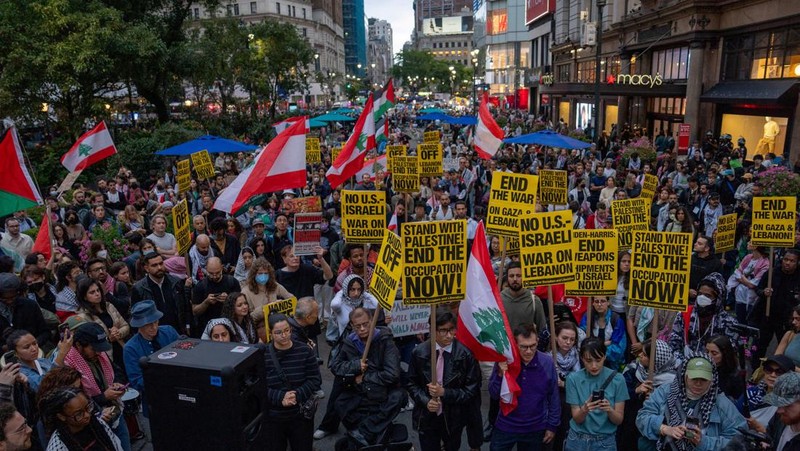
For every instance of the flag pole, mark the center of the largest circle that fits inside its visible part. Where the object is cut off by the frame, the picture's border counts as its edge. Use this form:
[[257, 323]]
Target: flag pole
[[373, 322], [552, 322], [769, 277], [589, 311], [502, 263], [433, 343]]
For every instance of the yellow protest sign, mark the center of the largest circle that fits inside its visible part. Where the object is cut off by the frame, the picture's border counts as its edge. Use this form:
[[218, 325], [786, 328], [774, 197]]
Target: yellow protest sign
[[649, 186], [180, 224], [725, 237], [313, 151], [430, 160], [394, 151], [434, 262], [553, 187], [511, 197], [595, 263], [184, 176], [629, 215], [512, 246], [660, 267], [405, 174], [202, 165], [773, 221], [284, 306], [546, 248], [388, 269], [335, 151], [431, 137], [363, 216]]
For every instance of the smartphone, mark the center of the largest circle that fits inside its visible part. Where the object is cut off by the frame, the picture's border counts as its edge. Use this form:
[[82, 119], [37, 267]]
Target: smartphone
[[10, 357], [62, 328], [124, 387], [598, 395], [692, 425]]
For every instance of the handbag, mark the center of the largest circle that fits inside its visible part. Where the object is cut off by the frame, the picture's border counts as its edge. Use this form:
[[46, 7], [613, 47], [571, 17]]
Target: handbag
[[309, 408]]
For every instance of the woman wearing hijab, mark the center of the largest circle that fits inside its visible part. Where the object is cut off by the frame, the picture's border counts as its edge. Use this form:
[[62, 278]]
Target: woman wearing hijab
[[353, 294], [219, 329], [243, 264], [690, 412]]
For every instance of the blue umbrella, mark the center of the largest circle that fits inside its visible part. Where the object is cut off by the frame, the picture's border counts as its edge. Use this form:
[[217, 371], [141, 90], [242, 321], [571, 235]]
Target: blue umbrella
[[549, 138], [332, 117], [433, 117], [344, 111], [214, 144], [431, 110], [463, 120]]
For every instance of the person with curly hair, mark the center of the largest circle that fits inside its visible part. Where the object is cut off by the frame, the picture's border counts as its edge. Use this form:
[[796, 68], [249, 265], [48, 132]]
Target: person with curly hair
[[262, 288], [68, 416], [237, 311]]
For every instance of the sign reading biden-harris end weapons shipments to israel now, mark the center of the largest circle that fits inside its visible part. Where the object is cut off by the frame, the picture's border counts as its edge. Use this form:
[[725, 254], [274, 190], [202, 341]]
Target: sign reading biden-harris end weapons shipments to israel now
[[434, 262], [511, 197], [595, 263], [629, 215], [546, 248], [313, 151], [660, 267], [388, 269], [725, 236], [553, 187], [773, 221], [363, 216]]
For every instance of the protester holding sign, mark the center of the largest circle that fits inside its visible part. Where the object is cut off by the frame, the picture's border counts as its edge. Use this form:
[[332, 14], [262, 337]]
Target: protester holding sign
[[609, 327], [261, 288]]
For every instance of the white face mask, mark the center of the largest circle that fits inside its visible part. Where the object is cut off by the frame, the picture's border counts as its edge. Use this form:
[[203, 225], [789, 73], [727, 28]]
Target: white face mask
[[102, 254], [704, 301]]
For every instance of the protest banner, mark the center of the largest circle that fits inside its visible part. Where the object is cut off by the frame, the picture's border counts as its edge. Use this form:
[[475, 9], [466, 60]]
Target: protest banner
[[553, 187], [450, 162], [629, 215], [430, 160], [649, 186], [313, 151], [595, 263], [431, 137], [308, 204], [409, 320], [434, 262], [773, 221], [184, 176], [512, 246], [335, 151], [511, 197], [393, 151], [388, 269], [363, 216], [202, 165], [725, 237], [69, 180], [660, 267], [307, 233], [405, 174], [284, 306], [546, 248], [180, 224]]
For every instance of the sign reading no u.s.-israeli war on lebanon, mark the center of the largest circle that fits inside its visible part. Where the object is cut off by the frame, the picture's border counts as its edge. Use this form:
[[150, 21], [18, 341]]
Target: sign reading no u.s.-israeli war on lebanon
[[405, 174], [546, 248], [595, 263], [660, 266], [773, 221], [629, 215], [431, 137], [202, 165], [363, 216], [726, 233], [430, 159], [649, 186], [434, 262], [389, 268], [313, 151], [511, 197], [184, 176], [553, 187], [180, 224]]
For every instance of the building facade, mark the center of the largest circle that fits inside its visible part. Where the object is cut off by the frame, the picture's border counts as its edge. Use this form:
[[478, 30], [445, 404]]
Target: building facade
[[445, 29], [355, 37], [380, 56]]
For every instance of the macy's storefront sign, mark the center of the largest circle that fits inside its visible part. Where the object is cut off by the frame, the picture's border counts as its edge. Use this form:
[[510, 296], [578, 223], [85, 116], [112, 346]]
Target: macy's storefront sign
[[650, 81]]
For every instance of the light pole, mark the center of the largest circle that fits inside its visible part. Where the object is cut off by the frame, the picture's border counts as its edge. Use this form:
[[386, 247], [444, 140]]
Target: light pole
[[598, 45], [475, 79]]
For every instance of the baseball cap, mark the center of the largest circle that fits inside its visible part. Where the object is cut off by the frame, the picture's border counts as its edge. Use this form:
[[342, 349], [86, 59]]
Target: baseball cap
[[257, 221], [699, 368], [783, 362], [786, 390], [93, 334], [9, 282]]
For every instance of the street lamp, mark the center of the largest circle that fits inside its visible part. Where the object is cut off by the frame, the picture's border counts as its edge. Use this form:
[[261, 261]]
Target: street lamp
[[599, 40]]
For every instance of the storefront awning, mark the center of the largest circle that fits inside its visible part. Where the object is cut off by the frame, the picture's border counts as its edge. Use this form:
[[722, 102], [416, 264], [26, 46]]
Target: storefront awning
[[751, 91]]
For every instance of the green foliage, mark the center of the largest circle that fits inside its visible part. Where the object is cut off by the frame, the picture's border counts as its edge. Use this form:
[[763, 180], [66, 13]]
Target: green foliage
[[642, 146], [430, 73]]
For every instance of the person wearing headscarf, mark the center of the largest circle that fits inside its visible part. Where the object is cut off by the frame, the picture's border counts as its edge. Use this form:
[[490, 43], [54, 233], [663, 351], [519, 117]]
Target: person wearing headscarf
[[243, 264], [225, 332], [689, 413], [353, 294]]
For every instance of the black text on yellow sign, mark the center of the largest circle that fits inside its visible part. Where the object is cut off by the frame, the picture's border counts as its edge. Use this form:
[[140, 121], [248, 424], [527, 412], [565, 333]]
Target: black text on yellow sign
[[335, 151], [726, 233], [393, 151], [184, 176], [511, 196], [595, 263], [284, 306], [431, 137], [180, 223], [649, 186], [434, 262], [773, 221], [660, 267], [546, 248], [430, 159], [388, 269], [405, 174], [629, 215], [363, 216], [202, 165], [313, 151], [553, 187]]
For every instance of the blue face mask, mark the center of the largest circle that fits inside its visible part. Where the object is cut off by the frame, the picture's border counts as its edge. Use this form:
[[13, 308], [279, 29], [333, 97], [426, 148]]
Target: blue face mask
[[262, 279]]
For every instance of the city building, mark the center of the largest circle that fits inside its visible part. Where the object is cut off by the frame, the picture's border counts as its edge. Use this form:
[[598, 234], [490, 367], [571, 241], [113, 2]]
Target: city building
[[380, 56], [445, 29], [355, 37]]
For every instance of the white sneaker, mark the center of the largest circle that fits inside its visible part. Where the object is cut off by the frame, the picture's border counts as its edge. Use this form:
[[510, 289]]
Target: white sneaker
[[320, 434], [319, 394], [409, 406]]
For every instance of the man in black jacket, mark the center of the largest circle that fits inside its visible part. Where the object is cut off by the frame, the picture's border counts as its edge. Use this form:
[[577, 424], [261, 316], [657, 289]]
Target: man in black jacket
[[167, 291], [442, 407], [785, 295], [19, 312], [704, 262]]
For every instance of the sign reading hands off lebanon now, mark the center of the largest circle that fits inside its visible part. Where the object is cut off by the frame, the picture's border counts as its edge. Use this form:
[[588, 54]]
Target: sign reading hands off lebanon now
[[389, 268], [363, 216], [660, 266], [773, 221], [434, 262]]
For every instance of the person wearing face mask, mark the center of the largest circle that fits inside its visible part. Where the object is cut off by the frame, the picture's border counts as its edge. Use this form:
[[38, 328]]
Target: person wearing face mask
[[262, 288], [199, 254], [38, 289]]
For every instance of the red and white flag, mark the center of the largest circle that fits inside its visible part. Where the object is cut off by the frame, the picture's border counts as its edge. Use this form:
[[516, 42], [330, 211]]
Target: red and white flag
[[283, 125], [393, 223], [93, 146], [281, 165], [371, 168], [482, 322], [488, 135], [351, 158]]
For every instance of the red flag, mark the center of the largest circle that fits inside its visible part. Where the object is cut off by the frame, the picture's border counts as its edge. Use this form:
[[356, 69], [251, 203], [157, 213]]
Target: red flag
[[17, 190], [488, 135], [43, 243], [351, 158], [91, 147]]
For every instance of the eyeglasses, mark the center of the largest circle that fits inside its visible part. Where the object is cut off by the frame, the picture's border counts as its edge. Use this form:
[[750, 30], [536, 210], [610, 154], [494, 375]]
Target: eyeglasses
[[527, 348], [23, 429], [774, 370], [79, 415], [282, 333], [361, 326], [444, 332]]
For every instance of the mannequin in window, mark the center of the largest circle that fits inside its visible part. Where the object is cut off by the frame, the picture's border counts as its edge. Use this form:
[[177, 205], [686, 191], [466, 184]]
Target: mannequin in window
[[767, 142]]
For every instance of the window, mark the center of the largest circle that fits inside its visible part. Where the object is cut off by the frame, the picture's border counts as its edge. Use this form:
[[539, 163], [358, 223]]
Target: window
[[294, 11], [304, 13], [278, 7], [668, 105], [229, 11], [235, 9], [762, 55], [253, 7], [562, 73], [305, 32], [672, 64], [197, 13], [586, 72]]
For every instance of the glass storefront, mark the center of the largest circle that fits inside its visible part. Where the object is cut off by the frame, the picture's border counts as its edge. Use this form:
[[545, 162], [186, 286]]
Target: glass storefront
[[758, 131], [563, 113]]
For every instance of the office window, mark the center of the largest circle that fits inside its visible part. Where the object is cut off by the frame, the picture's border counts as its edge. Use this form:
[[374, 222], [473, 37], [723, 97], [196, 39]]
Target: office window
[[304, 13], [253, 7], [305, 32], [278, 7], [562, 73], [229, 10], [197, 13], [235, 9], [672, 64], [766, 54]]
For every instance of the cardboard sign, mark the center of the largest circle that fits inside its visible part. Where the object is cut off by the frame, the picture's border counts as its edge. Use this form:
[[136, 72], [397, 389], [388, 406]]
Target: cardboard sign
[[649, 186], [309, 204], [388, 269], [595, 263], [409, 320], [405, 174], [725, 237], [335, 151], [184, 176], [511, 197], [546, 248], [430, 160], [660, 267], [285, 306], [553, 187], [434, 262], [773, 221], [69, 180], [180, 224], [392, 152], [431, 137], [449, 163], [363, 216], [307, 233], [202, 165], [313, 151], [627, 216]]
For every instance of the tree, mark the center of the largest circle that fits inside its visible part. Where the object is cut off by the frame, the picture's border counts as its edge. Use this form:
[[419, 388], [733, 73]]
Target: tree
[[427, 71]]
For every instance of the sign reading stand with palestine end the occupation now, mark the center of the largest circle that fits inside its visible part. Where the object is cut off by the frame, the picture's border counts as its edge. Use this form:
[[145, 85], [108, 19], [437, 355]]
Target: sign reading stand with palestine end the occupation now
[[434, 262], [363, 216], [627, 216], [660, 267], [773, 221]]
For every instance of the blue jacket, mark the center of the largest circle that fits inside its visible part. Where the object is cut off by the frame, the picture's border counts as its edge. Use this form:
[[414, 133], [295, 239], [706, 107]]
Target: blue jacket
[[136, 348], [539, 404]]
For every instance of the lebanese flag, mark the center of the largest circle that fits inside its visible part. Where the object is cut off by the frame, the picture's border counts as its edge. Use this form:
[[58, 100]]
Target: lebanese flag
[[93, 146], [492, 341], [43, 243], [351, 158], [281, 165], [372, 167], [283, 125], [393, 223], [384, 100], [488, 135], [17, 190]]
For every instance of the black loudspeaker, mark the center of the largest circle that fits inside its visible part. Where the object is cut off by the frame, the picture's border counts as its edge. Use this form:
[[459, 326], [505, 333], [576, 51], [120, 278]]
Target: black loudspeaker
[[206, 395]]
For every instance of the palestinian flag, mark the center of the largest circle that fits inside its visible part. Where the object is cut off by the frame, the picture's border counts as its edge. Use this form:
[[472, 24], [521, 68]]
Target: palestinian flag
[[384, 100], [91, 147], [382, 131], [17, 190]]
